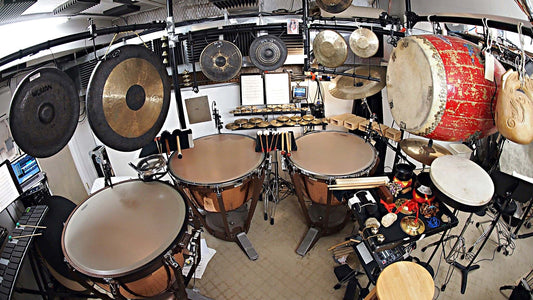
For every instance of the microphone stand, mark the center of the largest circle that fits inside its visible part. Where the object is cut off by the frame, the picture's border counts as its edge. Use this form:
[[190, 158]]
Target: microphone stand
[[216, 116]]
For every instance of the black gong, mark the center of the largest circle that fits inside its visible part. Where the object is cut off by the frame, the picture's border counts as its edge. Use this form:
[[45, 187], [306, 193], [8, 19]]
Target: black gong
[[221, 61], [268, 52], [44, 112]]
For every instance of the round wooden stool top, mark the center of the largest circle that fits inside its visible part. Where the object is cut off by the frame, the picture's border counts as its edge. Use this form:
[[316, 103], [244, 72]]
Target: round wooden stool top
[[405, 280]]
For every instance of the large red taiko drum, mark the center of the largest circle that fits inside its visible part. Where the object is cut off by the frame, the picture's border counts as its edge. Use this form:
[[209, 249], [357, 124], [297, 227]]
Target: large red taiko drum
[[436, 88]]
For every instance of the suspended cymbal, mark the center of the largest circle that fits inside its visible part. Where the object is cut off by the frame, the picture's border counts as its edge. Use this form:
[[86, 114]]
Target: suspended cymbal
[[128, 98], [420, 151], [364, 43], [221, 61], [412, 225], [334, 6], [44, 112], [268, 52], [350, 88], [330, 48]]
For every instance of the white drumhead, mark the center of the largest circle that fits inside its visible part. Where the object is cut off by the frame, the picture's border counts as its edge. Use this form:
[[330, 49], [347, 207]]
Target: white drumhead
[[333, 154], [416, 79], [462, 180], [118, 230]]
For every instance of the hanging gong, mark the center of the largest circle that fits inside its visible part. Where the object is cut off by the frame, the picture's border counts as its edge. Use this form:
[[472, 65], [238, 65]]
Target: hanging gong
[[128, 98], [268, 52], [334, 6], [330, 48], [221, 61], [350, 88], [44, 112], [364, 43]]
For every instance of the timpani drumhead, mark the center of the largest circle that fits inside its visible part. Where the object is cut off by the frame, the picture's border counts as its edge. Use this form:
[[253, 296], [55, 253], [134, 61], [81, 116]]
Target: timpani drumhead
[[333, 154], [216, 159], [462, 180], [118, 230]]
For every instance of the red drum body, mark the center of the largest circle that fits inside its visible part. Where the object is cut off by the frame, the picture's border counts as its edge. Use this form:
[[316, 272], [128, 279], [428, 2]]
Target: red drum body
[[437, 88]]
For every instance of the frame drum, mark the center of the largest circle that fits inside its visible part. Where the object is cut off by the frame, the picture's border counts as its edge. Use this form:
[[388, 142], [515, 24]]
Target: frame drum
[[437, 89], [223, 162], [123, 232], [323, 156]]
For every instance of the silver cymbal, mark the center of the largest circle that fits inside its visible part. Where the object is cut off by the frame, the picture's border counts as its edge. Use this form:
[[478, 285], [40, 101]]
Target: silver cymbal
[[364, 43]]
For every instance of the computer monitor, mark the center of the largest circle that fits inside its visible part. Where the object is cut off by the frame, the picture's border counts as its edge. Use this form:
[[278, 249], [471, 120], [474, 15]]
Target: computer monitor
[[299, 93], [25, 168]]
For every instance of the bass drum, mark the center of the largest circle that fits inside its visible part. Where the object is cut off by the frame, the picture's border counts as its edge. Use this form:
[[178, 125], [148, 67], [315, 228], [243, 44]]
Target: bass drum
[[437, 89], [123, 232]]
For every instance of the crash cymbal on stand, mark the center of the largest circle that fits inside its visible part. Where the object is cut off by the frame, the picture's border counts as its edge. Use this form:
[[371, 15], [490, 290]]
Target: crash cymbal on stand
[[221, 61], [412, 225], [330, 48], [421, 151], [44, 112], [364, 43], [128, 98], [334, 6], [268, 52], [350, 88]]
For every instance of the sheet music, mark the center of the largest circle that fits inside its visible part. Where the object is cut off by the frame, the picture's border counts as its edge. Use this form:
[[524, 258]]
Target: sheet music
[[8, 189], [252, 90], [277, 88]]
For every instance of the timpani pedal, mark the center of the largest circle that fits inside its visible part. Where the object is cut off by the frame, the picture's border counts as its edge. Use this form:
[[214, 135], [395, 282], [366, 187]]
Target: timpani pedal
[[310, 238], [246, 245]]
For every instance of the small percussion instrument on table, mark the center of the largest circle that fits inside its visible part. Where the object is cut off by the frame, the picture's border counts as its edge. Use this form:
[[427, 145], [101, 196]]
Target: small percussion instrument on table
[[437, 89], [403, 280], [465, 186], [129, 239], [220, 174], [322, 157]]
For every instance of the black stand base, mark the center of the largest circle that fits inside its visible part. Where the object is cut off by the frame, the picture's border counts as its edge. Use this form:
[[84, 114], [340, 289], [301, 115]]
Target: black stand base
[[428, 267], [464, 272]]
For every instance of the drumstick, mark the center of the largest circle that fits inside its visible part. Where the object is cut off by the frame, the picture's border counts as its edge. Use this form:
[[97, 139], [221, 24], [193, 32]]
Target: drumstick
[[343, 243], [259, 133], [168, 147], [179, 146], [289, 143], [156, 140], [282, 143], [23, 236], [265, 133], [31, 226], [276, 142], [271, 143]]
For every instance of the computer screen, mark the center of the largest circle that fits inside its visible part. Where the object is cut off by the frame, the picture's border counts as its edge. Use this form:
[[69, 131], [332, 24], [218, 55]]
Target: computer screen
[[299, 92], [24, 168]]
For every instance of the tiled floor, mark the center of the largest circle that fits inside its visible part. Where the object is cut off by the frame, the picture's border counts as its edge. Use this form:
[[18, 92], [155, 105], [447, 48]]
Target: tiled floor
[[280, 273]]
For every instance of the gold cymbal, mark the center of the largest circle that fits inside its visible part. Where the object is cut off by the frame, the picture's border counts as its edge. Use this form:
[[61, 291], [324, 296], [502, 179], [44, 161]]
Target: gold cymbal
[[364, 43], [276, 123], [235, 111], [349, 88], [420, 151], [282, 118], [296, 118], [412, 225], [241, 121], [303, 123], [232, 126], [330, 48], [255, 120], [248, 125], [290, 123], [267, 110], [324, 120], [308, 117], [316, 122], [277, 109], [263, 124], [334, 6]]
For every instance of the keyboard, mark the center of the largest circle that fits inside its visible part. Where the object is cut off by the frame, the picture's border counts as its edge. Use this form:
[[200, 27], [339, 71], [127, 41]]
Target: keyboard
[[15, 249]]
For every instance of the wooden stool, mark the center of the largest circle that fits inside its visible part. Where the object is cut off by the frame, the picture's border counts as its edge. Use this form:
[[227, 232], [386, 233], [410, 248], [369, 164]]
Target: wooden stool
[[403, 280]]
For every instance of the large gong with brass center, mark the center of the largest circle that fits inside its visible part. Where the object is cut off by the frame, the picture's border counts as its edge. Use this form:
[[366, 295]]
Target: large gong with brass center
[[128, 98]]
